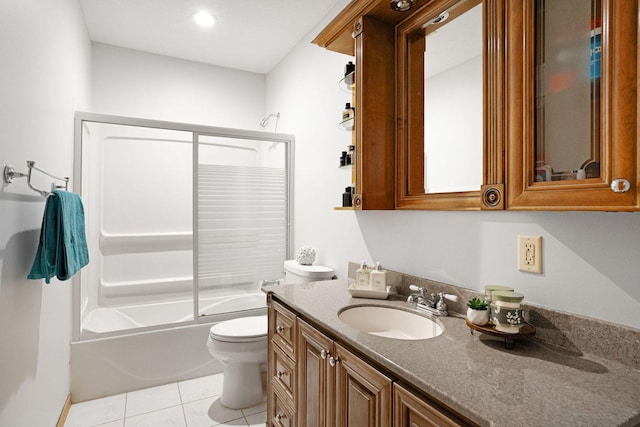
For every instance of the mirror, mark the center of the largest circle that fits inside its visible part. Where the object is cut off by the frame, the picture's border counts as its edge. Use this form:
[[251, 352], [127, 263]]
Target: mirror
[[440, 99], [453, 101]]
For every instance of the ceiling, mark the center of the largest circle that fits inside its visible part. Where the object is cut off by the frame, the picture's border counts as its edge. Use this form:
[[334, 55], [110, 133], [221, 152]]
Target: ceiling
[[250, 35]]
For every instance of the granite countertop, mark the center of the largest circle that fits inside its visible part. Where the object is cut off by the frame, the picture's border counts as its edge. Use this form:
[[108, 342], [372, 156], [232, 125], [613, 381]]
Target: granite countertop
[[533, 384]]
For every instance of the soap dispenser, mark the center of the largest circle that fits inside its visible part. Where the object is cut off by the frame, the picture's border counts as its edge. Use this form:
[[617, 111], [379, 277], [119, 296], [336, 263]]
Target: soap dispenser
[[378, 279], [362, 276]]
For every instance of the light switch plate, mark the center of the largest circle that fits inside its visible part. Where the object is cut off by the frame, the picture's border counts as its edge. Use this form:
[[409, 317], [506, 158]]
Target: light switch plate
[[530, 254]]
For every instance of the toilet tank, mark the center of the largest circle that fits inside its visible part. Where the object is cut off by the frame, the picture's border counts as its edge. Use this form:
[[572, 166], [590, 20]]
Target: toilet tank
[[296, 273]]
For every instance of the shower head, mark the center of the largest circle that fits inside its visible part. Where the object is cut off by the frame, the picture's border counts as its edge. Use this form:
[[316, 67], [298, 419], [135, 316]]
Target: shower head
[[264, 122]]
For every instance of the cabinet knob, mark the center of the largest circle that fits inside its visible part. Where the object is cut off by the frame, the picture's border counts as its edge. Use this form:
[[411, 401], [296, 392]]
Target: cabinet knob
[[279, 329], [324, 354], [333, 361], [620, 185], [280, 374], [280, 416]]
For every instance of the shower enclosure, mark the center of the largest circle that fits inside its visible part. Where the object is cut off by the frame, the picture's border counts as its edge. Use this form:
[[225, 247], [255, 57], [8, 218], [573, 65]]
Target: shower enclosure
[[184, 222]]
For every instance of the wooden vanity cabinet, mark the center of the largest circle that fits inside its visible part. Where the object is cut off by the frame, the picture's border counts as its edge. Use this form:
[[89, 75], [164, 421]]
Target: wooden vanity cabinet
[[281, 367], [336, 387], [319, 382], [413, 411]]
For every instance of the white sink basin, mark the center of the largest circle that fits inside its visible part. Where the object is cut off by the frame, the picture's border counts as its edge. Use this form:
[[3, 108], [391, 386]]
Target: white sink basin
[[390, 322]]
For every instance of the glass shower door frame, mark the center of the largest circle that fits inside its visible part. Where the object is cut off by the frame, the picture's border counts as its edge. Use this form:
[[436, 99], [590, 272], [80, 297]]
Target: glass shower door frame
[[197, 132]]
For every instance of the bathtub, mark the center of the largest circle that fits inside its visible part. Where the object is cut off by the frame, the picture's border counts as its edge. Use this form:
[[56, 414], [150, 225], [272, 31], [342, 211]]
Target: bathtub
[[107, 319], [140, 358]]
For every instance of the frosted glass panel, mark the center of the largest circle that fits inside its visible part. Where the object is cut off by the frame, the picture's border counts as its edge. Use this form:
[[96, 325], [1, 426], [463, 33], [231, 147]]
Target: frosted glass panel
[[568, 72], [242, 215]]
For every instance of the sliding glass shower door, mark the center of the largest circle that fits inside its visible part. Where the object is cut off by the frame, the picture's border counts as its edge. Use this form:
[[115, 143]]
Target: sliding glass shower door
[[242, 220], [183, 222]]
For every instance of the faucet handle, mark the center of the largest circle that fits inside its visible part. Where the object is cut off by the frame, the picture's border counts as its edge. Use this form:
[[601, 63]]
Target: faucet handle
[[419, 289], [441, 305]]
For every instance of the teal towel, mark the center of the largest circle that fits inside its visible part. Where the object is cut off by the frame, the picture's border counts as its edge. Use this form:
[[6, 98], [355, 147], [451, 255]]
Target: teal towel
[[62, 249]]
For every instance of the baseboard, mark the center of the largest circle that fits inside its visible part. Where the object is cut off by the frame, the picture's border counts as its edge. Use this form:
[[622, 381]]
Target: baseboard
[[65, 412]]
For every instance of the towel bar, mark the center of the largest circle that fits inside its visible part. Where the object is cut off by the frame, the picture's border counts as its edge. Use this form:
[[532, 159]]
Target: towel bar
[[10, 174]]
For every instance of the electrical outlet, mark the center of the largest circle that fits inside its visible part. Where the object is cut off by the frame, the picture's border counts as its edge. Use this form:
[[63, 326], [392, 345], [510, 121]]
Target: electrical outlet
[[530, 254]]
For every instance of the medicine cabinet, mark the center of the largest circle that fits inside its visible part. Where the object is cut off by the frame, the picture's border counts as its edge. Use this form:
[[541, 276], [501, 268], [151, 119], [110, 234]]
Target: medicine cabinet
[[571, 92], [549, 109], [447, 73]]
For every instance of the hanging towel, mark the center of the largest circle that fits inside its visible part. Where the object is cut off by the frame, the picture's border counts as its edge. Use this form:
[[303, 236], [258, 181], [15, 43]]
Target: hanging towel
[[62, 249]]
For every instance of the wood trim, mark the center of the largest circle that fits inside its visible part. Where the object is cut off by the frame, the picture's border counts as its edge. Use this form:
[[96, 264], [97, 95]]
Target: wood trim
[[65, 412], [374, 118], [494, 106], [337, 35]]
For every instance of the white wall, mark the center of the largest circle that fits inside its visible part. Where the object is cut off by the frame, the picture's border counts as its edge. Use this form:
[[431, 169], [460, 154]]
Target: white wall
[[132, 83], [44, 76], [590, 260]]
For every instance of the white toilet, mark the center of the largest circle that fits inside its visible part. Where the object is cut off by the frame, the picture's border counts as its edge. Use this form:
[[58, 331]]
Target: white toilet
[[296, 273], [241, 345]]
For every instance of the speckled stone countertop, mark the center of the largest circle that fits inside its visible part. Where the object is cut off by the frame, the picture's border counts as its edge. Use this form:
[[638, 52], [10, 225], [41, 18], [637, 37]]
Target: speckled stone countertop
[[534, 384]]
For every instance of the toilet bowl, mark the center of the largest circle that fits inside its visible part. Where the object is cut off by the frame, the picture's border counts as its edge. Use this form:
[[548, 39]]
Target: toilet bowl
[[241, 346]]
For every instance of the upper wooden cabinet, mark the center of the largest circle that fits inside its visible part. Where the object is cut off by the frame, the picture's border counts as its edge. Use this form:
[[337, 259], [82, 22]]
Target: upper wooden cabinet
[[559, 105], [366, 30], [571, 105]]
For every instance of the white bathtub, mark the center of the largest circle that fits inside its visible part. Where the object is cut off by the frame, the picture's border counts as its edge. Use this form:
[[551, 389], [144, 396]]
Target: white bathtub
[[107, 319], [135, 360]]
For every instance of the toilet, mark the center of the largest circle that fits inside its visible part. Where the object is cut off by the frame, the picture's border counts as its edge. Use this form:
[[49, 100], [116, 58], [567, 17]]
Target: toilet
[[297, 273], [241, 345]]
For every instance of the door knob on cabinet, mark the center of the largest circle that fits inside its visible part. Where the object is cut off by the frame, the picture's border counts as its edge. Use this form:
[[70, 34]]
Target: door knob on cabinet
[[279, 329], [620, 185], [333, 361], [324, 354], [280, 374], [280, 416]]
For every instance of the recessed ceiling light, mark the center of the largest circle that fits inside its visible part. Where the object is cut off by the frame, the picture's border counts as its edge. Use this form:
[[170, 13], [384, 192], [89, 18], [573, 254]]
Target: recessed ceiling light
[[204, 19]]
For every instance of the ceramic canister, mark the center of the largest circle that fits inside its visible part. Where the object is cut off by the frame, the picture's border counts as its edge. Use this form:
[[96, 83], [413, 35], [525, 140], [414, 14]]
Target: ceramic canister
[[489, 289], [506, 314]]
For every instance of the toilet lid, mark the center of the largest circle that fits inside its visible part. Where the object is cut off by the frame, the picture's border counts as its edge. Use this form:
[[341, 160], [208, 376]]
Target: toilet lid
[[243, 329]]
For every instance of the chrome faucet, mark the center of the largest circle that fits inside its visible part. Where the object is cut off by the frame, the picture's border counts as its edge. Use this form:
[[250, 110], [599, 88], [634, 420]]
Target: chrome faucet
[[434, 304]]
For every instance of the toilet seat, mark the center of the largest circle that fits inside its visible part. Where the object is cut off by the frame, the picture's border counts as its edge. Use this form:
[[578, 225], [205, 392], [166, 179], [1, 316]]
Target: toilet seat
[[243, 329]]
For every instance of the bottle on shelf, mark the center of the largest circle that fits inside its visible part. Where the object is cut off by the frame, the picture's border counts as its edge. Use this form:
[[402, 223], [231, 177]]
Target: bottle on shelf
[[349, 112], [347, 198]]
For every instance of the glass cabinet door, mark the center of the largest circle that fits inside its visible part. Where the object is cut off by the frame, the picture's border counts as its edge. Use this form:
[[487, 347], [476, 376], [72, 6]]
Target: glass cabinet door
[[571, 104]]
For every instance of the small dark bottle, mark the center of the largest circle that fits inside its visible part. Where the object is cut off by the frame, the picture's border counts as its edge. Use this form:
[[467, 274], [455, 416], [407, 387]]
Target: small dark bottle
[[347, 198], [349, 68]]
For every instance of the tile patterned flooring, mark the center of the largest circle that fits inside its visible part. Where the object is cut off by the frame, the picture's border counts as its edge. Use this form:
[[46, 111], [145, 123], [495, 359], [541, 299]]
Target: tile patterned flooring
[[192, 403]]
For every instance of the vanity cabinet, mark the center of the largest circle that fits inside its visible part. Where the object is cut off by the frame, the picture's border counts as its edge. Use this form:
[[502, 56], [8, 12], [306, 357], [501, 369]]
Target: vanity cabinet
[[317, 381], [412, 411], [336, 387], [281, 367]]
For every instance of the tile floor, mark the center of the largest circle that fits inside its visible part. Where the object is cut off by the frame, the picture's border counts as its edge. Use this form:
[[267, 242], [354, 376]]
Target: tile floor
[[192, 403]]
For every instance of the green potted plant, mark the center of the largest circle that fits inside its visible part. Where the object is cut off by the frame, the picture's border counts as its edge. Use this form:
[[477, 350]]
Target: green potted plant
[[477, 311]]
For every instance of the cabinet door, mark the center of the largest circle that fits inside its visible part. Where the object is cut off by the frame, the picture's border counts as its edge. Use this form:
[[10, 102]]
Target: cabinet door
[[571, 105], [412, 411], [362, 393], [315, 378]]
